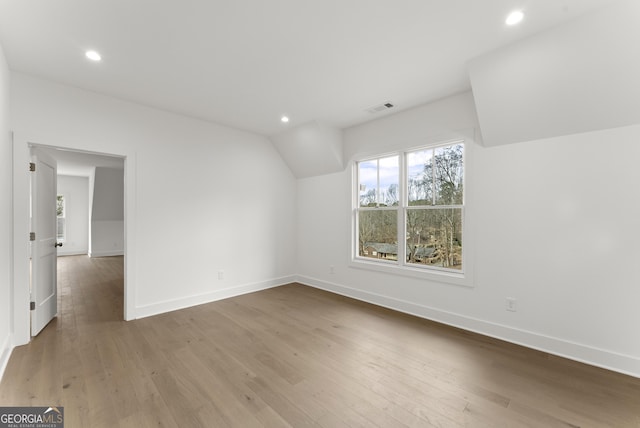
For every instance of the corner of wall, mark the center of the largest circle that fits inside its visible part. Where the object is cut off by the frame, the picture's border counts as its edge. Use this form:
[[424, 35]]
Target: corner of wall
[[189, 301]]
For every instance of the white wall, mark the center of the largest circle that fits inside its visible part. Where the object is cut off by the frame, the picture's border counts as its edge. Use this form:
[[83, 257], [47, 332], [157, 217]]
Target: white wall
[[107, 213], [554, 224], [5, 217], [199, 197], [107, 238], [76, 195]]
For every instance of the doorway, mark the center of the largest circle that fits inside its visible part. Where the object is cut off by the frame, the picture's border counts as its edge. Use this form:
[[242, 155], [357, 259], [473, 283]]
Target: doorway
[[89, 210], [21, 209]]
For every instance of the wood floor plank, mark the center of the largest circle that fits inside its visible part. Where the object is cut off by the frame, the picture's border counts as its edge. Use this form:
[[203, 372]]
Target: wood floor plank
[[292, 356]]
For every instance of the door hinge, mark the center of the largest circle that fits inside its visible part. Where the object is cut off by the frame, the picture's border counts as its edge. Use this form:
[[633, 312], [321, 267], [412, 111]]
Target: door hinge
[[32, 166], [32, 236], [32, 306]]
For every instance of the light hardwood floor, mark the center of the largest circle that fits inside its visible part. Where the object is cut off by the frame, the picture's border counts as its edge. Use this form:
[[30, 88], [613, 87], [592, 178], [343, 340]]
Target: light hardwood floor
[[292, 356]]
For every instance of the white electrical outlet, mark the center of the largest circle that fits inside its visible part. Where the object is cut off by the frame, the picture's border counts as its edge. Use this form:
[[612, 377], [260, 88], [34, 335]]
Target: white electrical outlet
[[511, 304], [332, 269], [220, 274]]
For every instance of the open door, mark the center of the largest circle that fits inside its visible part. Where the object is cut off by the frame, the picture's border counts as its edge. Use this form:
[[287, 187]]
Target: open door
[[44, 289]]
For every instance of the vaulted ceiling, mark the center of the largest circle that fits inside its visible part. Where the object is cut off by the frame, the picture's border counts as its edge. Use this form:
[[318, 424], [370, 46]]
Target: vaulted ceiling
[[245, 63]]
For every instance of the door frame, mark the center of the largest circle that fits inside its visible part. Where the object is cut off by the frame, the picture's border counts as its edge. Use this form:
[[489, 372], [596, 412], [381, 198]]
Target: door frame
[[22, 144]]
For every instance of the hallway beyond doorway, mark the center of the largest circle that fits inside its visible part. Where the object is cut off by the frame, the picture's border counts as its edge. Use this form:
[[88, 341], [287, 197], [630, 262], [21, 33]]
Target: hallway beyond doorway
[[91, 290]]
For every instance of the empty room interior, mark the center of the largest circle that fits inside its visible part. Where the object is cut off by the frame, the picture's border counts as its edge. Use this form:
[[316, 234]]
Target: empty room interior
[[322, 213]]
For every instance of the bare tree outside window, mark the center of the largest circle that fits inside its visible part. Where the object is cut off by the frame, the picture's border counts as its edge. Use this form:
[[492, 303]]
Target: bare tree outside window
[[434, 217], [379, 195], [421, 219], [61, 218]]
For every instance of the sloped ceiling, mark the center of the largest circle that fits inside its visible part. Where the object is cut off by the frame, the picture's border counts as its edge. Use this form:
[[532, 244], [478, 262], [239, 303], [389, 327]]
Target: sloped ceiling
[[311, 149], [578, 77], [324, 63], [245, 63]]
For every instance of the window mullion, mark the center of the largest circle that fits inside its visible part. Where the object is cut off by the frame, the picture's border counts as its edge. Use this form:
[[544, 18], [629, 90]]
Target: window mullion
[[378, 183], [433, 177], [402, 203]]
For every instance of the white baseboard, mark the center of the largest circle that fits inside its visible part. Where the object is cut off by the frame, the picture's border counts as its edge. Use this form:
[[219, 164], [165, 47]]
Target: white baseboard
[[225, 293], [603, 358], [106, 253], [5, 354], [72, 253]]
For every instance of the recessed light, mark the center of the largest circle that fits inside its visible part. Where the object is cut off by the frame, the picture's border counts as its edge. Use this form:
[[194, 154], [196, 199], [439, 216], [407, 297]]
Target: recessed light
[[284, 119], [514, 17], [93, 55]]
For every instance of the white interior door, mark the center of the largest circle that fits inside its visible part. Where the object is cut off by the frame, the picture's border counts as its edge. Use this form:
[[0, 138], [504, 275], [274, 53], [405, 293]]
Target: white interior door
[[44, 290]]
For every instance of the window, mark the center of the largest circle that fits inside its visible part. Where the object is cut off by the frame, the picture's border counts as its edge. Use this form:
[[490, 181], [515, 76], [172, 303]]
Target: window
[[410, 209], [378, 202], [61, 220]]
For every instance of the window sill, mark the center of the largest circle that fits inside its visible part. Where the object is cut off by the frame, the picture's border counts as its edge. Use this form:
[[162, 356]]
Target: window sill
[[391, 268]]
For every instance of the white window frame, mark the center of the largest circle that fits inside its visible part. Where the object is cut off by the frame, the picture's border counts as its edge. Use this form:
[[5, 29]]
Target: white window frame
[[462, 277]]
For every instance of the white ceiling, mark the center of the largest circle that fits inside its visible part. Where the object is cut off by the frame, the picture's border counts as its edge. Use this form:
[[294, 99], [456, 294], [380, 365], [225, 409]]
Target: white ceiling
[[81, 163], [244, 63]]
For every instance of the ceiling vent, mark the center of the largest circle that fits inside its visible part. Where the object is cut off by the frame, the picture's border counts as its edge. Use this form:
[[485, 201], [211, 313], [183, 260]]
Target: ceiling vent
[[379, 108]]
